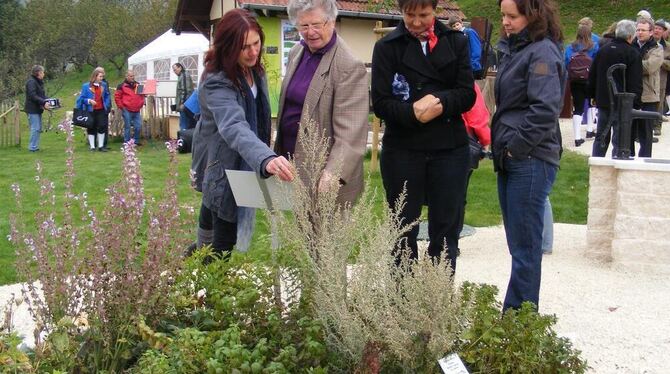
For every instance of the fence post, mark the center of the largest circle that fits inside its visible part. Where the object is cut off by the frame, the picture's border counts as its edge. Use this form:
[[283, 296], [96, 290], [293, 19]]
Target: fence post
[[17, 126]]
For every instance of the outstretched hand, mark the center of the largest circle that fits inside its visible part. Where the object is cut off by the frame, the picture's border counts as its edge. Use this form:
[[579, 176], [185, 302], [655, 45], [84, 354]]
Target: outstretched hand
[[280, 167]]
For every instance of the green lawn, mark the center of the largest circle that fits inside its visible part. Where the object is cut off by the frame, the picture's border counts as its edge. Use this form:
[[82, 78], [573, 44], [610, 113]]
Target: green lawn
[[602, 12], [95, 171]]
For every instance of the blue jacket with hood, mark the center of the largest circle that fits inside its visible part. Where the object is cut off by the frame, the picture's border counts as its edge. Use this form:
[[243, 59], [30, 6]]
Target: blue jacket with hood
[[529, 92]]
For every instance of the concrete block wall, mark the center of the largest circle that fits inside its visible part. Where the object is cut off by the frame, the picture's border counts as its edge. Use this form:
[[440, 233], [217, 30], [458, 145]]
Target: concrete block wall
[[602, 205], [629, 214]]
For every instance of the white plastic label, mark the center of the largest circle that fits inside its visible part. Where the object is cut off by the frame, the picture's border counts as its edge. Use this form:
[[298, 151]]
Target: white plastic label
[[452, 364]]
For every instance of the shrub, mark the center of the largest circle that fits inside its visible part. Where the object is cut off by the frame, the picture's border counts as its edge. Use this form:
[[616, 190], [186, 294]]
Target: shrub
[[376, 315], [381, 317], [12, 359], [91, 276], [225, 319], [518, 341]]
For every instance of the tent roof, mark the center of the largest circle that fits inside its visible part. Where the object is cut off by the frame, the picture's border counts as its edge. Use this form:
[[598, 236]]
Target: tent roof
[[170, 44]]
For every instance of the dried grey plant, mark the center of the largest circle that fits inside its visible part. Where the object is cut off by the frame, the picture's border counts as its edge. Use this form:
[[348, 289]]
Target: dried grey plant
[[405, 316]]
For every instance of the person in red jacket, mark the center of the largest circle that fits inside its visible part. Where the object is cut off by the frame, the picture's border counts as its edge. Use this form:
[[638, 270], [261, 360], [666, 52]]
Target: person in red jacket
[[476, 122], [130, 103]]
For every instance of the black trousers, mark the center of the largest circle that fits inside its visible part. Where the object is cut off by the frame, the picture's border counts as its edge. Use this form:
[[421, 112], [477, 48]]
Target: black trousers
[[578, 91], [101, 122], [434, 178], [225, 233], [602, 140], [644, 129]]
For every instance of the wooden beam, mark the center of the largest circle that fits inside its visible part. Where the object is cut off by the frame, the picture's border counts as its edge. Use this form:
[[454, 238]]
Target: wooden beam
[[202, 28]]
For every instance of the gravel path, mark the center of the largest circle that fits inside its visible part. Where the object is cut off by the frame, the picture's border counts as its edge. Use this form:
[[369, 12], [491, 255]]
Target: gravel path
[[618, 319]]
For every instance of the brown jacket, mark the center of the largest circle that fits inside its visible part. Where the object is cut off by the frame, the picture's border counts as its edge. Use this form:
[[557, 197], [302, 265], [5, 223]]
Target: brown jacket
[[665, 67], [337, 99], [652, 60]]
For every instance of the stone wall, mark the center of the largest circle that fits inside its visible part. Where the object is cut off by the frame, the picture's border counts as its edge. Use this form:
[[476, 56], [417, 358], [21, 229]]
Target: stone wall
[[629, 213]]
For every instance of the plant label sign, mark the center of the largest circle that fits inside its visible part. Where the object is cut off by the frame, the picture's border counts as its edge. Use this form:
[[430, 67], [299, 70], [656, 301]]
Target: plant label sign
[[452, 364]]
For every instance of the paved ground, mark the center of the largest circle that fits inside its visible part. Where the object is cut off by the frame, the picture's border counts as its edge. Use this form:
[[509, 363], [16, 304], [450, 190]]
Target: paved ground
[[658, 150]]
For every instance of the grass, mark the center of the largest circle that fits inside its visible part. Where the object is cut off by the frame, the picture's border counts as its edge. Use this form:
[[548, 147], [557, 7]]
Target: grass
[[602, 12], [95, 171]]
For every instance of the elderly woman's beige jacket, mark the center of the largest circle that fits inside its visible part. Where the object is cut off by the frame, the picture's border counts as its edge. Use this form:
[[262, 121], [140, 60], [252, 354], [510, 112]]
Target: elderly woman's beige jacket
[[337, 99]]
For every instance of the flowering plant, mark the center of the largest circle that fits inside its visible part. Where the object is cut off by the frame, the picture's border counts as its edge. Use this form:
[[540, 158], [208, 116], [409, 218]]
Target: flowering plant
[[90, 275]]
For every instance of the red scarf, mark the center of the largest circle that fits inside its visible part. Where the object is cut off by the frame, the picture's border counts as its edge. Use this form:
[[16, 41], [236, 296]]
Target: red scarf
[[432, 38]]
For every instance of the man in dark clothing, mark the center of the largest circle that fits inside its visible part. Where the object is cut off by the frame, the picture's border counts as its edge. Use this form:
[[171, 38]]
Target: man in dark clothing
[[619, 50], [36, 102]]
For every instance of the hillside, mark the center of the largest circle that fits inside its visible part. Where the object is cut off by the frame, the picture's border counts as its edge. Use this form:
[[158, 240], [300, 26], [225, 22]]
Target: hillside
[[603, 12]]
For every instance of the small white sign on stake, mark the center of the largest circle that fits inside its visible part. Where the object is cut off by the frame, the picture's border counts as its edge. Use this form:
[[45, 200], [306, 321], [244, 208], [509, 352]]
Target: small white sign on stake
[[452, 364]]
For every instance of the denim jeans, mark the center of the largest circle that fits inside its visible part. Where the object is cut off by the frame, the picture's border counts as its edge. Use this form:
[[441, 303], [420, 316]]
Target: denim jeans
[[433, 178], [131, 119], [35, 122], [183, 120], [548, 230], [522, 190]]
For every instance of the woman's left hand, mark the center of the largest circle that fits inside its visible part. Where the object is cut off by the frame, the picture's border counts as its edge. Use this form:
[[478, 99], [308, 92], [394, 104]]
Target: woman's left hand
[[280, 167]]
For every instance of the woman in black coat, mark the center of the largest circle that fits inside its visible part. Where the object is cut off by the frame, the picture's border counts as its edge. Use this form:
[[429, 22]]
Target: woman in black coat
[[421, 84]]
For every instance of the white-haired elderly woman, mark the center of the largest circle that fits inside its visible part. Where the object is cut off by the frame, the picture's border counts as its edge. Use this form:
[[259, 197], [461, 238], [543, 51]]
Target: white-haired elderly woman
[[324, 82]]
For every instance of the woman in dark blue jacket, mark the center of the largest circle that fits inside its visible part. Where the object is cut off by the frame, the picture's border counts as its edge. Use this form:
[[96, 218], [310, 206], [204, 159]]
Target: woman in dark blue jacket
[[421, 84], [95, 98], [525, 134]]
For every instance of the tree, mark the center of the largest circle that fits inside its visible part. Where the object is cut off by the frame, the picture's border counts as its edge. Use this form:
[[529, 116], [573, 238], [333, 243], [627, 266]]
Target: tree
[[55, 33], [127, 26]]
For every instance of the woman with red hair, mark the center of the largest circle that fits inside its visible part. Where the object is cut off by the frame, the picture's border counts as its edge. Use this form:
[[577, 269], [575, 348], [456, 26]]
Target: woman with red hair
[[233, 131]]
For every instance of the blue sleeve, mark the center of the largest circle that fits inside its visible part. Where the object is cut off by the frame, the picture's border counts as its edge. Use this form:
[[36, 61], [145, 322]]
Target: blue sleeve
[[475, 49], [107, 100], [192, 102], [83, 97], [568, 54], [545, 96], [593, 51], [595, 38]]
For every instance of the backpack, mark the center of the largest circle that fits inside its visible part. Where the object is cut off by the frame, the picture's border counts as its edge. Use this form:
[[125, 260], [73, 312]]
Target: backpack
[[579, 65]]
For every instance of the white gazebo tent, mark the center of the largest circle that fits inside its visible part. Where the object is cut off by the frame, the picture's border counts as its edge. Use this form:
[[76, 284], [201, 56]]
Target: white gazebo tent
[[155, 60]]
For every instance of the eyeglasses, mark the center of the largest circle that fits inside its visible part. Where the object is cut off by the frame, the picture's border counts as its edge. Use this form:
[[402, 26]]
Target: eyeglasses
[[313, 26], [639, 30]]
